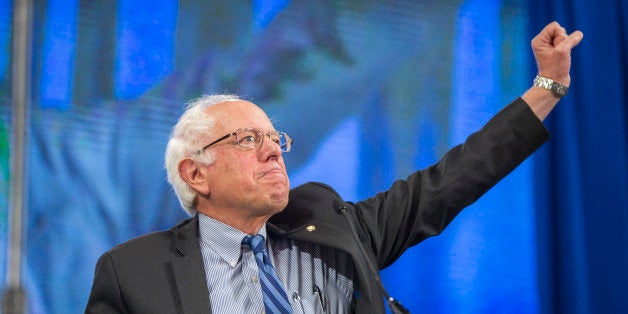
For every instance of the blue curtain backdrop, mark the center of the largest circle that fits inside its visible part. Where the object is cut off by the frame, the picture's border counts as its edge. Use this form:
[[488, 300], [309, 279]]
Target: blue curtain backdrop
[[371, 91], [582, 174]]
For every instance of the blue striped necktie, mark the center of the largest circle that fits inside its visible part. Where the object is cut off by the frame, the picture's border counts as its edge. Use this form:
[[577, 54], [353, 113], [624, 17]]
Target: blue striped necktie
[[275, 298]]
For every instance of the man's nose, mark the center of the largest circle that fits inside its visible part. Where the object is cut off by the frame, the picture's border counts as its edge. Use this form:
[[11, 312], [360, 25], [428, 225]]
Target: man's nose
[[269, 149]]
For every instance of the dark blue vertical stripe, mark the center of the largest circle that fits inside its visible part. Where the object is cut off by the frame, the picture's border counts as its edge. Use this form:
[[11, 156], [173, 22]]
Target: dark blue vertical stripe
[[58, 54], [145, 51]]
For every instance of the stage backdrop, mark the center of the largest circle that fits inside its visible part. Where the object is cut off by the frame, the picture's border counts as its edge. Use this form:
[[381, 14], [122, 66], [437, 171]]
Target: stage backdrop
[[370, 91]]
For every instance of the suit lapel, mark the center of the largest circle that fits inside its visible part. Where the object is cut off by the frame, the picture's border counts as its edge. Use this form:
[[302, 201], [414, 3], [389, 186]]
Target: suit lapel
[[189, 273]]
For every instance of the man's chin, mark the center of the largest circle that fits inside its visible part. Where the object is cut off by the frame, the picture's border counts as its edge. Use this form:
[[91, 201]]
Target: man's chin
[[280, 199]]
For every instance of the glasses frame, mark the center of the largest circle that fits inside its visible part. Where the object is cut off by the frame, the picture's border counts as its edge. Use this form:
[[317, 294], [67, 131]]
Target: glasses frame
[[258, 144]]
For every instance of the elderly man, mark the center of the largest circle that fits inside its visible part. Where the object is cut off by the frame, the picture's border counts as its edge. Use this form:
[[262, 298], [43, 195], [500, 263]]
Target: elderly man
[[253, 245]]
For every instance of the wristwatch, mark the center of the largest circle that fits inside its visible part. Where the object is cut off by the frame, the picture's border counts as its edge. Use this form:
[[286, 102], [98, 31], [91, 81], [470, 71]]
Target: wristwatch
[[558, 89]]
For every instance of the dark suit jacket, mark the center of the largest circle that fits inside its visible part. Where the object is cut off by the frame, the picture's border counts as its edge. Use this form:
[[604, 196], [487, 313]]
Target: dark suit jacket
[[163, 272]]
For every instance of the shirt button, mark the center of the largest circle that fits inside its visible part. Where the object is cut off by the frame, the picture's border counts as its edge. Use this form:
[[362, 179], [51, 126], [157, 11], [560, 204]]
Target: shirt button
[[254, 279]]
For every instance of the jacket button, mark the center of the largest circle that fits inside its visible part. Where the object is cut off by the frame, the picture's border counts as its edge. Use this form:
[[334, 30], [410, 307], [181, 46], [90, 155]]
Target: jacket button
[[310, 228]]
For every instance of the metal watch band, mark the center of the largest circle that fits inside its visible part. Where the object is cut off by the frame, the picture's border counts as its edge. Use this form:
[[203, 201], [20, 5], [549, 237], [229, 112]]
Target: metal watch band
[[549, 84]]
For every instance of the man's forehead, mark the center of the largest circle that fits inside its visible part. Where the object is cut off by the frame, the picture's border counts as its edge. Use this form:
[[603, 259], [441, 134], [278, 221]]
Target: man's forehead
[[231, 105], [238, 112]]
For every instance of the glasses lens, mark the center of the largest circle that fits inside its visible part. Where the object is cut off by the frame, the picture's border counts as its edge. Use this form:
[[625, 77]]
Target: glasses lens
[[280, 139], [285, 142], [247, 138]]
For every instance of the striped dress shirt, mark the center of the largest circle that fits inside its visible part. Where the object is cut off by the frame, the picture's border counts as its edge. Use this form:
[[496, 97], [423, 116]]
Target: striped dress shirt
[[316, 279]]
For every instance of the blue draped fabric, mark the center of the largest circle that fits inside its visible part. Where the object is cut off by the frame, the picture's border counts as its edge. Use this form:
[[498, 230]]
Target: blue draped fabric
[[371, 91], [582, 174]]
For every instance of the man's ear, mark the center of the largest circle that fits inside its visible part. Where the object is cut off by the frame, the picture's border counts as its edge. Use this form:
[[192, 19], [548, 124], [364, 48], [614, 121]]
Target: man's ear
[[191, 173]]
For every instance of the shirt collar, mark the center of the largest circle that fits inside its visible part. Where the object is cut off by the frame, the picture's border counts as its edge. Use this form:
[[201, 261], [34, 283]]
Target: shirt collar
[[222, 238]]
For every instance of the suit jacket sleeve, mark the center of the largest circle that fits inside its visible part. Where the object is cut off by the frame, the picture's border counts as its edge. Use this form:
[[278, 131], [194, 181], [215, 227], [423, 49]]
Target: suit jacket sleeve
[[428, 200]]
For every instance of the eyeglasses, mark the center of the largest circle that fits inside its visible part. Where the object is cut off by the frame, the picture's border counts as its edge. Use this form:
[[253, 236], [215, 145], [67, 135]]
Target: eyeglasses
[[252, 139]]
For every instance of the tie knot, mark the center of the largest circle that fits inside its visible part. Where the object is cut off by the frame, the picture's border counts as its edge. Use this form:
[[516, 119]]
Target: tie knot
[[256, 243]]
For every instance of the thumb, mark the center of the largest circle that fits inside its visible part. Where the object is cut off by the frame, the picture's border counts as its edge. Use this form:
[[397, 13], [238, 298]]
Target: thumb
[[571, 41]]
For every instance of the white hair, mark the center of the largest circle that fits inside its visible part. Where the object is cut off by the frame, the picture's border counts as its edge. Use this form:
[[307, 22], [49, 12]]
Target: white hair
[[187, 137]]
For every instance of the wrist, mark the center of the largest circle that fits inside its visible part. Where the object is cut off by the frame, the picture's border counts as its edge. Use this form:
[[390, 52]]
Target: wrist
[[555, 87], [541, 101]]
